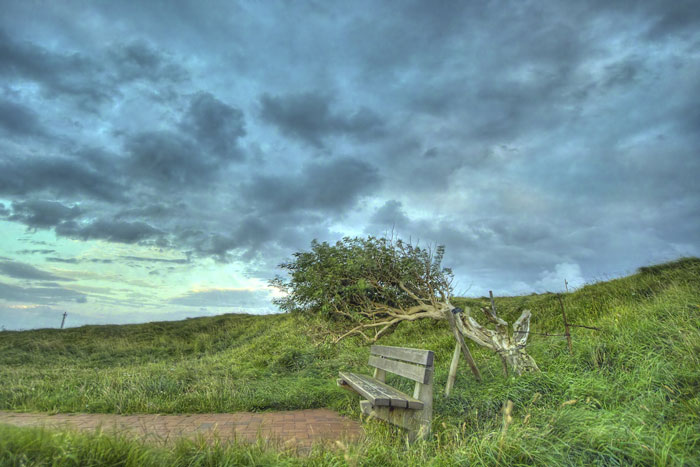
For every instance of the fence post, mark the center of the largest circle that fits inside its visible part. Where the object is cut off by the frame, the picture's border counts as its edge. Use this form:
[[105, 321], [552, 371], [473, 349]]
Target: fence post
[[566, 326], [503, 359]]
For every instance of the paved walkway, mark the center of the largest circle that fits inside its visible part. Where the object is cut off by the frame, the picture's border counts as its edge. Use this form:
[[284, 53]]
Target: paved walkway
[[296, 428]]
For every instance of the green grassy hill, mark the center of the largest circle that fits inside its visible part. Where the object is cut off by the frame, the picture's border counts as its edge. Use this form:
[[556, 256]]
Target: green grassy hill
[[627, 395]]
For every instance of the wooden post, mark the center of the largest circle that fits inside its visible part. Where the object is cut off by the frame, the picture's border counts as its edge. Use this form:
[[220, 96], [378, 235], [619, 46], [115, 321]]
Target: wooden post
[[453, 370], [463, 345], [566, 326], [64, 319], [503, 359], [424, 393], [380, 375]]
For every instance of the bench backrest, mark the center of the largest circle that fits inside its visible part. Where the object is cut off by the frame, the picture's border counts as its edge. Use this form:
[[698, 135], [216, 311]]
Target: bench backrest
[[414, 364]]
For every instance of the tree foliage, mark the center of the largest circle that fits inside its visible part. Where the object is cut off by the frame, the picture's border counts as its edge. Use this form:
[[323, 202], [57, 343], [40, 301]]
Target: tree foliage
[[366, 283]]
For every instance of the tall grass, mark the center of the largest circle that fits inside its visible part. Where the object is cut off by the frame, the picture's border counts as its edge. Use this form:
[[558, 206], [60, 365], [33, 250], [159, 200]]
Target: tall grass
[[627, 395]]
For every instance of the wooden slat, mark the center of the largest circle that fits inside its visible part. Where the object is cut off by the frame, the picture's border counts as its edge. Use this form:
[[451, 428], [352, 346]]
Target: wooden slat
[[419, 356], [372, 392], [415, 372], [378, 393]]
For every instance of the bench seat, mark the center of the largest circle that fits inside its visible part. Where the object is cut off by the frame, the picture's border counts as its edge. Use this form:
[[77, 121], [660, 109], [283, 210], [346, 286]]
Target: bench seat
[[383, 402], [378, 393]]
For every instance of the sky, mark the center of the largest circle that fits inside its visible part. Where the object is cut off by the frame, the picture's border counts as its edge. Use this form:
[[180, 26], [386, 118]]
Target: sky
[[159, 159]]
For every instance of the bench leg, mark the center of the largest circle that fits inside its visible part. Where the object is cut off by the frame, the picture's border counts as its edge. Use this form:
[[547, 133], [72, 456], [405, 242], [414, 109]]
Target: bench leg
[[412, 420]]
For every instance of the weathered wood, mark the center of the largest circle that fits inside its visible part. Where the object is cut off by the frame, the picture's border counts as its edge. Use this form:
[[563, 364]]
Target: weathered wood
[[453, 370], [424, 393], [380, 375], [463, 345], [408, 419], [502, 326], [416, 421], [413, 372], [372, 392], [389, 404], [499, 340], [492, 315], [378, 393], [418, 356]]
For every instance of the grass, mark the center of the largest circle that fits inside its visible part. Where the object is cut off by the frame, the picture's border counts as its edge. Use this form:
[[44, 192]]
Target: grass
[[627, 395]]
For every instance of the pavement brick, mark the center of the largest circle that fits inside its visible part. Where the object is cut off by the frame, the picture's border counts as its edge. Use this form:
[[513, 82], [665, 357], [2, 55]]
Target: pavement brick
[[300, 428]]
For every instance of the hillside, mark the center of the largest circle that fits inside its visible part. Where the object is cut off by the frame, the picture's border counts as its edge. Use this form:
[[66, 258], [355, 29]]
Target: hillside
[[628, 394]]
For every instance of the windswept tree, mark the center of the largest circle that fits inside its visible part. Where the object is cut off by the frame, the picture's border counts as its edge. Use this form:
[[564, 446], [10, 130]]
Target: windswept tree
[[368, 286]]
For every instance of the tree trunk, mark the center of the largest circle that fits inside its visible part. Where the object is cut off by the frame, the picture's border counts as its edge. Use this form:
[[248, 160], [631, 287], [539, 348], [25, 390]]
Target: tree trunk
[[509, 347], [520, 361]]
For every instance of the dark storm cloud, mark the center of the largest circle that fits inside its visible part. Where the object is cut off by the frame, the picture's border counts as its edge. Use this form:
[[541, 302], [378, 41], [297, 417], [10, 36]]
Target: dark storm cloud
[[225, 298], [140, 60], [68, 73], [249, 235], [59, 175], [18, 120], [173, 160], [39, 295], [168, 158], [389, 215], [672, 18], [309, 117], [152, 211], [329, 186], [113, 231], [92, 80], [42, 213], [18, 270], [215, 124]]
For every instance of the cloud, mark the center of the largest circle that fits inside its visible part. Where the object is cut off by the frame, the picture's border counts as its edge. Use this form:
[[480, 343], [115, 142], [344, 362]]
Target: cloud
[[39, 295], [60, 176], [677, 18], [239, 298], [308, 116], [88, 79], [19, 270], [18, 120], [174, 161], [57, 73], [553, 281], [141, 60], [390, 214], [330, 186], [113, 231], [44, 251], [54, 259], [155, 260], [42, 213], [215, 124]]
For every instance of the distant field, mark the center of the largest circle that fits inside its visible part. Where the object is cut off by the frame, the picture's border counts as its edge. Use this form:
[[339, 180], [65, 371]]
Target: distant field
[[631, 389]]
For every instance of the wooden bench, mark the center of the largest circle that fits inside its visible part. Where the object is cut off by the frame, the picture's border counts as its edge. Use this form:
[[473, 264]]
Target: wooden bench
[[414, 413]]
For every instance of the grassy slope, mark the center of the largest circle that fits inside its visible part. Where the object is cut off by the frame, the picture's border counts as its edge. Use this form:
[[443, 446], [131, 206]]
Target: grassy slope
[[635, 384]]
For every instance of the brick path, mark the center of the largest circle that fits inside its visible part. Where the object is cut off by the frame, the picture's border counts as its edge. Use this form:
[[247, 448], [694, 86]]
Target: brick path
[[296, 428]]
